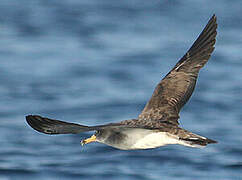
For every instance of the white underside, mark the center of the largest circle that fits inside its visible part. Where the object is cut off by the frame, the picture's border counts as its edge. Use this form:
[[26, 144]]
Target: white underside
[[157, 139], [154, 140], [147, 139]]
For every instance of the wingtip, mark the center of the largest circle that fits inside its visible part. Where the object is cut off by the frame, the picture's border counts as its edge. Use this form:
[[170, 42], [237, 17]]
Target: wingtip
[[214, 18], [33, 122], [30, 118]]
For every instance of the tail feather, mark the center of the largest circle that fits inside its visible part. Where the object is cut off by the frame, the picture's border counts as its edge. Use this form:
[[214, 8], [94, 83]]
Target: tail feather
[[197, 141], [51, 126]]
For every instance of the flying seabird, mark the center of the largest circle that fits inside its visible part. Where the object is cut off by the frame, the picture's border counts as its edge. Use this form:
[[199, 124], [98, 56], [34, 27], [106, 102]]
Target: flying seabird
[[157, 125]]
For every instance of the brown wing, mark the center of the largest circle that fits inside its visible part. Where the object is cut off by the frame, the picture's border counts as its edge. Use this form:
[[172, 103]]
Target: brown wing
[[53, 126], [176, 88]]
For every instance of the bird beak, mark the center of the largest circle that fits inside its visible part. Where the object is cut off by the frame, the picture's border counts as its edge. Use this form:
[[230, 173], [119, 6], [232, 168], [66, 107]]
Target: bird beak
[[88, 140]]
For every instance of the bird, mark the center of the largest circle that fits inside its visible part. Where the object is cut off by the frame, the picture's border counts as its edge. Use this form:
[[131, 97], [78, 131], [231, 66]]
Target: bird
[[157, 125]]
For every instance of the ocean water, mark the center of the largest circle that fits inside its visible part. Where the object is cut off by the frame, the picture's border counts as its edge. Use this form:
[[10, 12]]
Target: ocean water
[[94, 62]]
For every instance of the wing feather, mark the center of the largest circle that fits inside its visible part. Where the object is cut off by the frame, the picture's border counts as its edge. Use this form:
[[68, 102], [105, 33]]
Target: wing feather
[[53, 126], [172, 93]]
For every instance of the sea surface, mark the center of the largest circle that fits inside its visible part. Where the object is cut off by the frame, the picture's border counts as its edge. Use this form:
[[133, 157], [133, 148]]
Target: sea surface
[[94, 62]]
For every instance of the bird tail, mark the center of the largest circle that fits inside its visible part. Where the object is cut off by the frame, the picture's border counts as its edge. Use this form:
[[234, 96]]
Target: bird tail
[[194, 140], [51, 126]]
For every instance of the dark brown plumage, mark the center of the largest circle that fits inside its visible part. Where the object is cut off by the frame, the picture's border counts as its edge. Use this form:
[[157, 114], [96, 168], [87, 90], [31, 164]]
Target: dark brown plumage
[[175, 89], [159, 119]]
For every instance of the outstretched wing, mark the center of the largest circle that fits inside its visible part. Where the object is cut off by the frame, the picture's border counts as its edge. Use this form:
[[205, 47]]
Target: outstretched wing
[[53, 126], [175, 89]]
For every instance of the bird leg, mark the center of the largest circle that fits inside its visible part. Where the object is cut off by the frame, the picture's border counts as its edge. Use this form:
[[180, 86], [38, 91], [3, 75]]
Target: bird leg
[[88, 140]]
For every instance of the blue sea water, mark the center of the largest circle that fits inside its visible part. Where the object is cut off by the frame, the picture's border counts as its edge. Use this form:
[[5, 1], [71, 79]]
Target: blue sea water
[[94, 62]]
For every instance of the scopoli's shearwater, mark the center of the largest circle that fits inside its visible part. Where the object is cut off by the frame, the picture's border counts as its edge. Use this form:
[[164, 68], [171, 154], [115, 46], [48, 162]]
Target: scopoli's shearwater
[[157, 125]]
